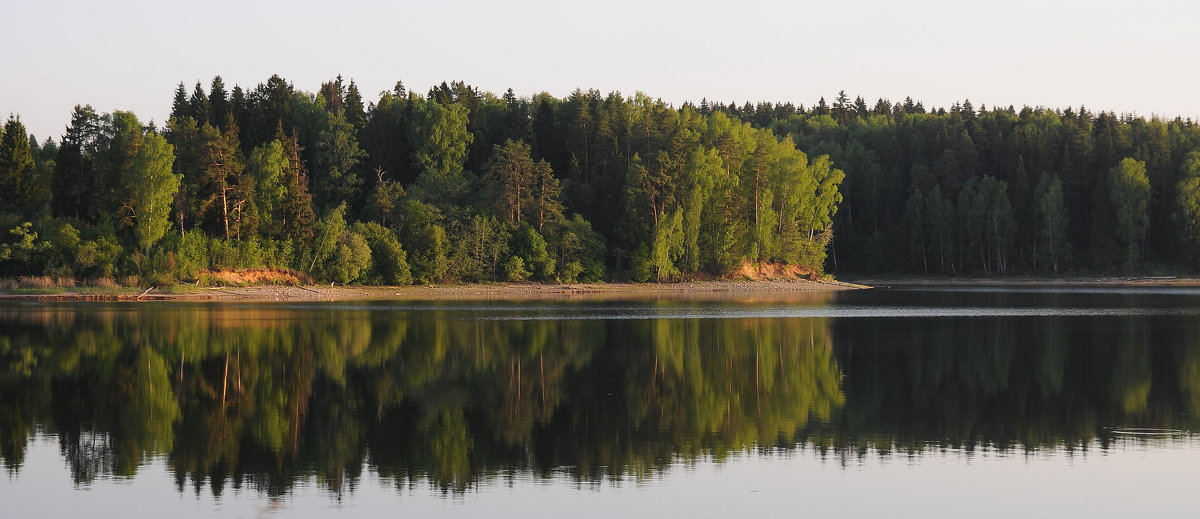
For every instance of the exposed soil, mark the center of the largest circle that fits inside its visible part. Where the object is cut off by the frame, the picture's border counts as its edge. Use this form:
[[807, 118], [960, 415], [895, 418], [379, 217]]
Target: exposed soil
[[771, 285], [697, 290], [245, 277], [774, 271], [766, 282]]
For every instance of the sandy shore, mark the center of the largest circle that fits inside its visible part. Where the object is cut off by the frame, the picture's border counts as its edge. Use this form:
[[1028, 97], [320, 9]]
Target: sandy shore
[[696, 290], [749, 291]]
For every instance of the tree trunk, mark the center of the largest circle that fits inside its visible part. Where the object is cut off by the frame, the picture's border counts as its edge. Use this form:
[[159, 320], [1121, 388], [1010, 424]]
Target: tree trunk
[[225, 210]]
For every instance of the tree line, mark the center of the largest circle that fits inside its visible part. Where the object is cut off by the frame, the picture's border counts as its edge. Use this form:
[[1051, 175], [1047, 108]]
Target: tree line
[[1000, 190], [453, 185]]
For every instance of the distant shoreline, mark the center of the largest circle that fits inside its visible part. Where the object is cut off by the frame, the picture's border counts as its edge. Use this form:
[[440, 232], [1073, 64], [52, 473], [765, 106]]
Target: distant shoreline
[[1033, 281], [689, 290]]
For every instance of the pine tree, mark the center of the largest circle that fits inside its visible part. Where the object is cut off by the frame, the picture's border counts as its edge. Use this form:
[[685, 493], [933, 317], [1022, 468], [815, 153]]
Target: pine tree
[[511, 170], [547, 208]]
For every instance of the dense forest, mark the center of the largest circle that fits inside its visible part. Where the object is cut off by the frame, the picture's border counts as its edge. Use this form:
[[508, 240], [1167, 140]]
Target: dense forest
[[1001, 190], [455, 185], [462, 185]]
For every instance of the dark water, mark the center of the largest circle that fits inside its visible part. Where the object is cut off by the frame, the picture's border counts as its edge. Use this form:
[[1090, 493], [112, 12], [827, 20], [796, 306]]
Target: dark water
[[910, 403]]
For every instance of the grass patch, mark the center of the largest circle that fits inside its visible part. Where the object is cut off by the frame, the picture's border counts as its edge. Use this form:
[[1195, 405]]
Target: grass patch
[[35, 285]]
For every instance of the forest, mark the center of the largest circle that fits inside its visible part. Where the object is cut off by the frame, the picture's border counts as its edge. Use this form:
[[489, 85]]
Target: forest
[[452, 186], [459, 185], [995, 191]]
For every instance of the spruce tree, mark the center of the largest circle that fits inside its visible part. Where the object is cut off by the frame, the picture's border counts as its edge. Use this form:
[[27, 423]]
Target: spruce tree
[[200, 110], [296, 212], [181, 107], [218, 104], [16, 167], [355, 113]]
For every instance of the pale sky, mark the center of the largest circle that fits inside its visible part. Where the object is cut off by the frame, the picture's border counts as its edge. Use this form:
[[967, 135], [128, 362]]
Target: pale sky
[[1123, 56]]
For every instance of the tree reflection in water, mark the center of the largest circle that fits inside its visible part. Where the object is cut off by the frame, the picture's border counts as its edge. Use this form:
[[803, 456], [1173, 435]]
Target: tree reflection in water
[[260, 396]]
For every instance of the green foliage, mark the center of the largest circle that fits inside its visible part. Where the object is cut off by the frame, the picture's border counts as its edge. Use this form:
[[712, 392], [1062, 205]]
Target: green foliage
[[515, 269], [18, 248], [972, 228], [420, 231], [382, 203], [754, 182], [1050, 214], [480, 245], [211, 164], [510, 169], [1130, 191], [268, 168], [580, 252], [816, 206], [439, 138], [667, 247], [151, 187], [351, 258], [641, 265], [530, 246], [242, 161], [223, 254], [328, 232], [570, 272], [939, 211], [296, 211], [701, 175], [190, 252], [914, 220], [1187, 205], [999, 223], [16, 167], [389, 261], [97, 257], [526, 191], [337, 179]]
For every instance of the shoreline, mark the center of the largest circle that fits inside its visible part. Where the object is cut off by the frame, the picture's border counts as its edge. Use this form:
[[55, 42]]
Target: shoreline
[[1034, 281], [780, 290], [712, 290]]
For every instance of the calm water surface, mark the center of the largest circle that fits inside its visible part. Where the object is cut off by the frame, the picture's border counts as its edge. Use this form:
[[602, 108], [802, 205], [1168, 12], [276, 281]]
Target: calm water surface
[[897, 403]]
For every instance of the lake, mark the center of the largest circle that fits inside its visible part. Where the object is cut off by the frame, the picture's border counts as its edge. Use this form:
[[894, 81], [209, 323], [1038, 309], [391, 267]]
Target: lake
[[929, 402]]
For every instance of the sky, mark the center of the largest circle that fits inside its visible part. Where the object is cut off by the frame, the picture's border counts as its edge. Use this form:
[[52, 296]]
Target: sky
[[1126, 57]]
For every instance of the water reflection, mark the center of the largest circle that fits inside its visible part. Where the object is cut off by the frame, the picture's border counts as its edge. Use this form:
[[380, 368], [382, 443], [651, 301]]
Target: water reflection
[[236, 396]]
